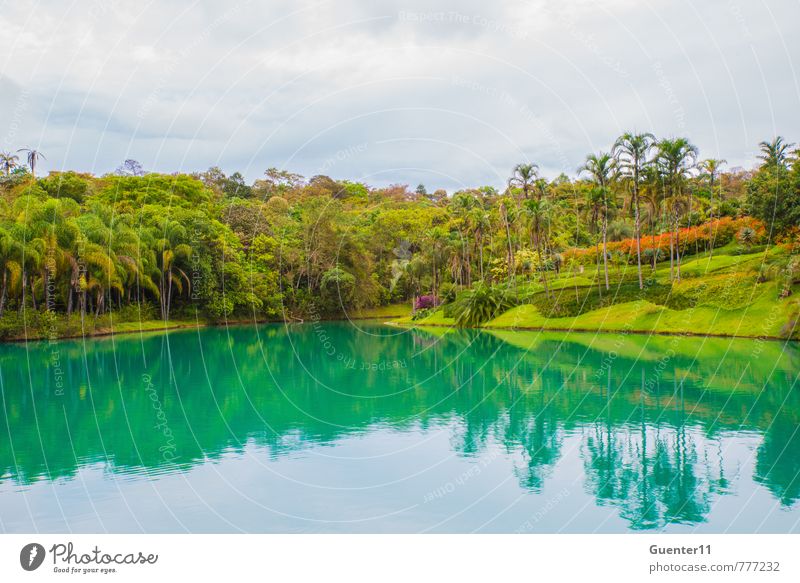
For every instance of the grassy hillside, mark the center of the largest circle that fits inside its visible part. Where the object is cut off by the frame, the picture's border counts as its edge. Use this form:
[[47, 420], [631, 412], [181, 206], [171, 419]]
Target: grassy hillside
[[725, 295]]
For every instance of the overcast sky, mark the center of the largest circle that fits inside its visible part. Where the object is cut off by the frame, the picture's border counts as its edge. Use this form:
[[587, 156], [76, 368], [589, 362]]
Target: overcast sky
[[449, 94]]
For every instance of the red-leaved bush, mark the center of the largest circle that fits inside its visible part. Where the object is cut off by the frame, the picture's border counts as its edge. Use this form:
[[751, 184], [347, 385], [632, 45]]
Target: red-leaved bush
[[425, 302]]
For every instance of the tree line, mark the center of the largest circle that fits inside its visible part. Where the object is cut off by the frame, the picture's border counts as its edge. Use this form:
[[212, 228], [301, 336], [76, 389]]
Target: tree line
[[150, 245]]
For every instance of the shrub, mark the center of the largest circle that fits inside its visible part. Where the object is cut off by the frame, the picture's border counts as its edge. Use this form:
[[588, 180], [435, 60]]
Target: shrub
[[337, 290], [447, 293], [718, 232], [746, 236], [11, 325], [425, 302], [480, 304], [422, 314]]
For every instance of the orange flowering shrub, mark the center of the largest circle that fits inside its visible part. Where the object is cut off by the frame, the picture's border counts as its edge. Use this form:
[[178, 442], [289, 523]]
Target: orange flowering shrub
[[722, 231], [791, 240]]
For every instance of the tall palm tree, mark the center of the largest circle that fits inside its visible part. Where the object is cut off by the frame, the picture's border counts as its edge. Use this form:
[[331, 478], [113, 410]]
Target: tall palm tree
[[10, 259], [676, 157], [775, 153], [172, 251], [631, 151], [538, 213], [8, 162], [602, 170], [33, 158], [651, 194], [436, 239], [508, 214], [464, 204], [524, 177], [481, 224], [711, 167]]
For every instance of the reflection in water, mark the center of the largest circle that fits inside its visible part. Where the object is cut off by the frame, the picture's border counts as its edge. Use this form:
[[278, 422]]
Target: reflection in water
[[660, 426]]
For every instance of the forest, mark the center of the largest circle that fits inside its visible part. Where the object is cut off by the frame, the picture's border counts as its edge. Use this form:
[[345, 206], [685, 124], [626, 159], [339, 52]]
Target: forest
[[645, 220]]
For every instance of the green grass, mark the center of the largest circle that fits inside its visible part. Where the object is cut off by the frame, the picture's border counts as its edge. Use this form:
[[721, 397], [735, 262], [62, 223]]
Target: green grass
[[765, 316], [436, 319], [703, 265], [390, 311], [717, 296], [148, 325]]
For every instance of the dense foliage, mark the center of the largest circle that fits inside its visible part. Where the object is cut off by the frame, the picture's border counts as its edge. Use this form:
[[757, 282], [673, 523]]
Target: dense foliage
[[147, 245]]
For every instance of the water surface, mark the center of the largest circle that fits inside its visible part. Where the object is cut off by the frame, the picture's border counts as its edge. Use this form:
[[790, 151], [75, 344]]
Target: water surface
[[340, 427]]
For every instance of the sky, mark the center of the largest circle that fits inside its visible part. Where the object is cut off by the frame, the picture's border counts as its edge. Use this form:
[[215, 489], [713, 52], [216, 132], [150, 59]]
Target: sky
[[448, 94]]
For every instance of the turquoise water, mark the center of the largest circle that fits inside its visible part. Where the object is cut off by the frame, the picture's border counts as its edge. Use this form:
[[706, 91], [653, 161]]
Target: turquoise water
[[362, 427]]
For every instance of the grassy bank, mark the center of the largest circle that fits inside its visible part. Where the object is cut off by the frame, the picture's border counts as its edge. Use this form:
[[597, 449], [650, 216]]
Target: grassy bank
[[723, 295], [16, 327]]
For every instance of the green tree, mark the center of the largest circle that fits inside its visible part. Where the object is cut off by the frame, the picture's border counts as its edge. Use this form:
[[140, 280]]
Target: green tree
[[523, 177], [711, 168], [676, 157], [775, 154], [33, 158], [773, 194], [602, 170], [631, 151], [8, 162]]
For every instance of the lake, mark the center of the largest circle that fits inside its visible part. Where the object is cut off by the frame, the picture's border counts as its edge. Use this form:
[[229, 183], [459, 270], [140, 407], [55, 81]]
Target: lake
[[364, 427]]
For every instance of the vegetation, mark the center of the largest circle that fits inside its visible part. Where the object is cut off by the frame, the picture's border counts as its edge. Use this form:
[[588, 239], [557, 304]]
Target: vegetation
[[81, 253]]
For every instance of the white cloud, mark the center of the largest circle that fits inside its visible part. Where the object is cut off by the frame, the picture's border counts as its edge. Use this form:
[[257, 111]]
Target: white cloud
[[435, 90]]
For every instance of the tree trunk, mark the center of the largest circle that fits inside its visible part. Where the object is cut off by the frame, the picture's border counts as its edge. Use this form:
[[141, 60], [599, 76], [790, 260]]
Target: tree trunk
[[677, 247], [33, 295], [46, 289], [169, 294], [3, 293], [597, 258], [653, 239], [712, 232], [637, 228], [671, 256], [511, 269], [537, 229], [605, 252], [480, 255]]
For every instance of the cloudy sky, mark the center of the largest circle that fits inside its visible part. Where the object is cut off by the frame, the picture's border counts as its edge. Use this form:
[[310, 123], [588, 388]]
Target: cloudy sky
[[443, 93]]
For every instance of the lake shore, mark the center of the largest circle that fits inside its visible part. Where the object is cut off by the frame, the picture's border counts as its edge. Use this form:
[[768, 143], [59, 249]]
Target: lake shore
[[594, 330], [148, 326]]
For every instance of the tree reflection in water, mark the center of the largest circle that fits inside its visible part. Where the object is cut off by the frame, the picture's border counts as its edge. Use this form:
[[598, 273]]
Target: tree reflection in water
[[655, 454]]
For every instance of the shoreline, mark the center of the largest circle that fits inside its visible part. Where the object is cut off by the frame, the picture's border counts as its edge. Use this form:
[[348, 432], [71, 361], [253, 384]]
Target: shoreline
[[106, 332], [598, 331], [387, 320]]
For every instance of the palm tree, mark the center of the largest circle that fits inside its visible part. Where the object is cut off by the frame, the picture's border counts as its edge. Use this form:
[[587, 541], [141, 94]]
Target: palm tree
[[10, 257], [8, 162], [711, 168], [436, 239], [172, 250], [602, 170], [33, 158], [650, 194], [676, 157], [631, 151], [481, 224], [775, 154], [464, 204], [523, 177], [538, 213]]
